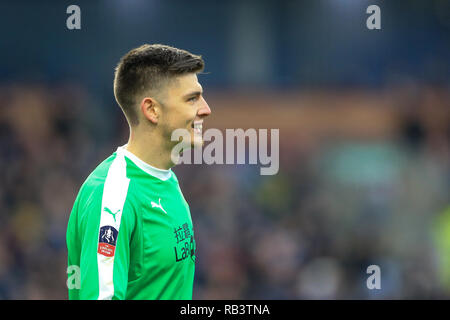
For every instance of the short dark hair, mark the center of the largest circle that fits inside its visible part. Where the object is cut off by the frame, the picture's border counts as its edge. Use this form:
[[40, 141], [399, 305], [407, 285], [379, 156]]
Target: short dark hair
[[146, 68]]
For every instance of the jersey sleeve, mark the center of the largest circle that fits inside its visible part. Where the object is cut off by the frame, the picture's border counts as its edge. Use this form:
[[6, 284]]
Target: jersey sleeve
[[105, 252], [107, 225]]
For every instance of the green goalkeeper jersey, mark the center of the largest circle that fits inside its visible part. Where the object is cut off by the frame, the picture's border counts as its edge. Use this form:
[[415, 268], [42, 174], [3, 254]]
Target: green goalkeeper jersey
[[130, 234]]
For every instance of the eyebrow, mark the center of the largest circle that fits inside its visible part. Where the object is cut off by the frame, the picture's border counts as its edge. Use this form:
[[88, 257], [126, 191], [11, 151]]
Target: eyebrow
[[194, 93]]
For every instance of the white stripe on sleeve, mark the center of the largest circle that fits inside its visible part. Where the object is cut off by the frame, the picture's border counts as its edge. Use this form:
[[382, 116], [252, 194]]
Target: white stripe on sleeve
[[114, 195]]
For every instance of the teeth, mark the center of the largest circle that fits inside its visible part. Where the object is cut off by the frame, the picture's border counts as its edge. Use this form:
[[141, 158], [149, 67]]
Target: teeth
[[198, 127]]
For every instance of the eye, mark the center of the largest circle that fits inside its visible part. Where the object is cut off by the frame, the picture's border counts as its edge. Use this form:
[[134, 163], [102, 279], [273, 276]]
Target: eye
[[192, 99]]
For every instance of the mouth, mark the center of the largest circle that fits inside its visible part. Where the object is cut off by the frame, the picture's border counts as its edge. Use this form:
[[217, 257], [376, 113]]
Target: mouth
[[198, 127]]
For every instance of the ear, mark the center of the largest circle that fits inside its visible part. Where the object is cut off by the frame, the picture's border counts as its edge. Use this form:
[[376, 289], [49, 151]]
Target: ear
[[150, 109]]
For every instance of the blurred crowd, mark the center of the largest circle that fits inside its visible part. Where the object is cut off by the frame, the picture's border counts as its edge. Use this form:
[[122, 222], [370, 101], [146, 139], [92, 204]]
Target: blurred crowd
[[309, 232]]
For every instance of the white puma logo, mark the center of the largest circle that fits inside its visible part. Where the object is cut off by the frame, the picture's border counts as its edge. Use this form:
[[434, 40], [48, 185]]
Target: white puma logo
[[158, 205]]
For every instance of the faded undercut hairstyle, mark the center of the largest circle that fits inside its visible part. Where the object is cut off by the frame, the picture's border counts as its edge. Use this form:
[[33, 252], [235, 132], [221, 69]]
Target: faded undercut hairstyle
[[147, 69]]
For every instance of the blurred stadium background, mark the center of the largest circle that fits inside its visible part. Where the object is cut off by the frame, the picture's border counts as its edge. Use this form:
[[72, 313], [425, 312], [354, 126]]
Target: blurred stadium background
[[364, 119]]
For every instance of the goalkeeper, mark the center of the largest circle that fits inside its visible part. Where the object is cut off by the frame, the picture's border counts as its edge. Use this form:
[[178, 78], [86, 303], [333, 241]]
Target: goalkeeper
[[130, 231]]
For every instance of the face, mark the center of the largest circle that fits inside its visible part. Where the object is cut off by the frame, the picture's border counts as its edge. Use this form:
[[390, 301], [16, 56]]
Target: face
[[183, 107]]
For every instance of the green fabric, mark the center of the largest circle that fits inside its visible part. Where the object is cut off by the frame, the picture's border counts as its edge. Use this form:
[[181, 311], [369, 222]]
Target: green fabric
[[154, 254]]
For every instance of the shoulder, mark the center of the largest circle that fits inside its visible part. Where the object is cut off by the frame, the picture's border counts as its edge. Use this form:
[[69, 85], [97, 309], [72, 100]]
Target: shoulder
[[108, 183], [96, 179], [106, 188]]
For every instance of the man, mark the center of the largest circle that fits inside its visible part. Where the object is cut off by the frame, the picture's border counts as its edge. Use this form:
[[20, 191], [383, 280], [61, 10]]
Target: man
[[130, 230]]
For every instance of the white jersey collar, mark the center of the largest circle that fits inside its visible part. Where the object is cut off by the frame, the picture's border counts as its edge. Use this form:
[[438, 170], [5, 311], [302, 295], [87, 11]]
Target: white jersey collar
[[161, 174]]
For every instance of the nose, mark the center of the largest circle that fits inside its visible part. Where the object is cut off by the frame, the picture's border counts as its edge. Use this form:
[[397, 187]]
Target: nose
[[204, 110]]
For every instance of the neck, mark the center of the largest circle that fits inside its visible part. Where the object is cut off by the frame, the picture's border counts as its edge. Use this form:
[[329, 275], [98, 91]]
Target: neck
[[150, 148]]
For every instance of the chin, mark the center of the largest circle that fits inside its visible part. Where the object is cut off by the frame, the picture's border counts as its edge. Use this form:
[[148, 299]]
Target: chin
[[197, 143]]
